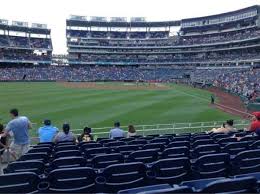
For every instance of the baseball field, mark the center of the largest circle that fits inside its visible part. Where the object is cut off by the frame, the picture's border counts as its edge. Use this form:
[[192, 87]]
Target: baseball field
[[100, 104]]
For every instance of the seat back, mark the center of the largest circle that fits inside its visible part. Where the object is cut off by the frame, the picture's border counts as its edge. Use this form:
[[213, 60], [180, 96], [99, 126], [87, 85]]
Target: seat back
[[127, 149], [102, 161], [72, 180], [67, 153], [200, 137], [104, 141], [145, 156], [25, 166], [181, 138], [40, 150], [171, 170], [205, 149], [68, 162], [224, 141], [235, 147], [211, 166], [138, 142], [90, 153], [24, 182], [123, 176], [114, 144], [157, 146], [179, 144], [35, 156], [255, 145], [176, 152], [202, 142], [90, 145], [237, 185], [66, 147], [164, 141]]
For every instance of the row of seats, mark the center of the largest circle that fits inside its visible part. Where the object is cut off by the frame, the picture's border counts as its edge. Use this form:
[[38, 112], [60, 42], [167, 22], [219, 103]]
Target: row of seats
[[117, 178]]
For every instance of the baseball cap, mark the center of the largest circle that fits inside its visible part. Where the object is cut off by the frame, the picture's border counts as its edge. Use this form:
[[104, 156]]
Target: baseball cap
[[256, 114], [47, 122]]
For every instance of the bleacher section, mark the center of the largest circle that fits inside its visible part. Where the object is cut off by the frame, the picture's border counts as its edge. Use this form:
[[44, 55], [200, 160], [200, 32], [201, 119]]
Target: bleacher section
[[168, 163]]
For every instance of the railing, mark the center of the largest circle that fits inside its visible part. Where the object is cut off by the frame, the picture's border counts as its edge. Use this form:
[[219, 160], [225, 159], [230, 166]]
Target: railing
[[161, 129]]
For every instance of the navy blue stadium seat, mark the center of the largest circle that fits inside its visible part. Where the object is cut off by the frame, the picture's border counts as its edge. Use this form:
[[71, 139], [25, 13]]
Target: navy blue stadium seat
[[205, 149], [218, 136], [25, 166], [67, 153], [127, 139], [202, 142], [72, 180], [24, 182], [102, 161], [179, 144], [40, 149], [176, 152], [127, 149], [66, 147], [160, 140], [104, 141], [246, 162], [157, 146], [200, 137], [90, 145], [224, 141], [211, 166], [171, 170], [91, 153], [68, 162], [114, 144], [137, 142], [145, 156], [235, 147], [64, 143], [121, 176], [255, 145], [35, 156], [181, 138], [199, 184], [147, 138]]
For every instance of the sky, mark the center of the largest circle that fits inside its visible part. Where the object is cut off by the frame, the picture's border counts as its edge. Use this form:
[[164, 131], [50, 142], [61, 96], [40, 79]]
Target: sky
[[55, 12]]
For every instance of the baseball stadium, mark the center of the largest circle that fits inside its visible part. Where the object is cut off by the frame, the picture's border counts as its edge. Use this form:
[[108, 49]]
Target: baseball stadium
[[133, 106]]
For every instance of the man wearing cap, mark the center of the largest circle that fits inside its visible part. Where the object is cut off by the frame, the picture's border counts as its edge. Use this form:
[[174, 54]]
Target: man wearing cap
[[47, 132], [255, 124]]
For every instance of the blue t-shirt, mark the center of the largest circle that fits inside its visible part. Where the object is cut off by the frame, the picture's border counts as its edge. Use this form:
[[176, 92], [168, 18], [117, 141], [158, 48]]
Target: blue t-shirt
[[47, 133], [20, 128], [116, 132]]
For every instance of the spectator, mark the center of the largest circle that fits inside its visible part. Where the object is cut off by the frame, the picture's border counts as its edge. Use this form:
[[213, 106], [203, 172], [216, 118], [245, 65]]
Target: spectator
[[65, 135], [255, 124], [86, 135], [19, 126], [131, 131], [47, 132], [116, 132], [226, 128]]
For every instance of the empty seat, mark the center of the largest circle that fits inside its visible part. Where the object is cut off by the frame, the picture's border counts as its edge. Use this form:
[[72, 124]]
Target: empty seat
[[104, 141], [235, 147], [24, 182], [199, 184], [127, 149], [25, 166], [171, 170], [138, 142], [90, 153], [102, 161], [200, 137], [68, 162], [40, 150], [218, 136], [160, 140], [179, 144], [127, 139], [157, 146], [210, 166], [72, 180], [255, 145], [145, 156], [202, 142], [225, 141], [35, 156], [67, 153], [114, 144], [121, 176], [249, 138], [66, 147], [246, 162], [205, 149], [63, 143], [181, 138], [147, 138], [237, 185], [176, 152], [90, 145]]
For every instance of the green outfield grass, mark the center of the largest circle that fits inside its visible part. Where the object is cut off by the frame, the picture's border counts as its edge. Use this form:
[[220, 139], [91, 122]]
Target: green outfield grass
[[100, 108]]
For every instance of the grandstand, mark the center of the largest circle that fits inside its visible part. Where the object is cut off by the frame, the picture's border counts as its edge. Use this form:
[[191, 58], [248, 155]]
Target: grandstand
[[217, 52]]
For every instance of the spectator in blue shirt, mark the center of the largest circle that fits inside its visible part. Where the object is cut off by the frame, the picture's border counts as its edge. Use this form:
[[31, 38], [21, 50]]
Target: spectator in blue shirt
[[116, 132], [47, 132]]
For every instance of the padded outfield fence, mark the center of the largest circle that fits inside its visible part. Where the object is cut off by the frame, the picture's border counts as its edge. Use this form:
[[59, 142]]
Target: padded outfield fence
[[173, 128]]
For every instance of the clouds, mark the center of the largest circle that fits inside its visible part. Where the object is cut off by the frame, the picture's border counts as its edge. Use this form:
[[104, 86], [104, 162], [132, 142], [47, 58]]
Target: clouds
[[55, 12]]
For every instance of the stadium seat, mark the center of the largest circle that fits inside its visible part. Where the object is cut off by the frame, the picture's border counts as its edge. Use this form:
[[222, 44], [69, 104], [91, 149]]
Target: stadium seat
[[172, 170], [68, 162], [127, 149], [145, 156], [66, 147], [211, 166], [205, 149], [235, 147], [127, 139], [25, 166], [201, 137], [103, 161], [202, 142], [164, 141], [65, 143], [104, 141], [255, 145], [121, 176], [179, 144], [40, 150], [114, 144], [138, 142], [35, 156], [24, 182], [181, 138], [85, 146], [91, 153], [218, 136], [246, 162], [199, 184], [157, 146], [176, 152], [71, 180], [224, 141], [67, 153]]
